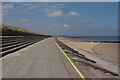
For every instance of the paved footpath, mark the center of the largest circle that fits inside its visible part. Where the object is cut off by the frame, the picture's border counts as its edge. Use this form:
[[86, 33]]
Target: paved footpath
[[41, 60]]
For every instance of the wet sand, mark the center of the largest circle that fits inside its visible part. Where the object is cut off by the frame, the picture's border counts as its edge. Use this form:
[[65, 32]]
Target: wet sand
[[107, 50]]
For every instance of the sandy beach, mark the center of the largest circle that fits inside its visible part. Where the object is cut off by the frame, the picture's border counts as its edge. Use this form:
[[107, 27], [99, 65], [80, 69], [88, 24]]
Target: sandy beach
[[107, 50]]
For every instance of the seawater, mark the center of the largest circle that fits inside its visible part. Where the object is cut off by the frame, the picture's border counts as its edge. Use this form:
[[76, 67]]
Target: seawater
[[96, 38]]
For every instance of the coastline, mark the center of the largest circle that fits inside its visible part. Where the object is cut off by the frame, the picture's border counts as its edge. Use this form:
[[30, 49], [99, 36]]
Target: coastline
[[101, 60], [107, 50]]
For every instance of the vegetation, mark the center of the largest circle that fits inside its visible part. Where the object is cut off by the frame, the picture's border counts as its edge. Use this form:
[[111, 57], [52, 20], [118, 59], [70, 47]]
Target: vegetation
[[10, 30]]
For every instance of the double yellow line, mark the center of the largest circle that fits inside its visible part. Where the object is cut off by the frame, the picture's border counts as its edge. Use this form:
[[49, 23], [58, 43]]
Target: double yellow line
[[80, 74]]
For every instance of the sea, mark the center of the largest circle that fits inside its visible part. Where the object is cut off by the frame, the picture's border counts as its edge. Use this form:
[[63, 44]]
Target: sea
[[95, 38]]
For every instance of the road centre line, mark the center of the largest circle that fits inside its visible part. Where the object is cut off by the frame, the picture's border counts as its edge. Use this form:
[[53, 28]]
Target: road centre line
[[80, 74]]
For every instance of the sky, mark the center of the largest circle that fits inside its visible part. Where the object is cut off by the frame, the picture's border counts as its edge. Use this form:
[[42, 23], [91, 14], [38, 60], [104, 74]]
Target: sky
[[60, 0], [63, 18]]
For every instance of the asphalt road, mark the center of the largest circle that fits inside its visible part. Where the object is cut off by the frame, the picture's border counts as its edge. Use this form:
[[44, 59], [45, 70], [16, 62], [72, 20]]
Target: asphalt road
[[41, 60]]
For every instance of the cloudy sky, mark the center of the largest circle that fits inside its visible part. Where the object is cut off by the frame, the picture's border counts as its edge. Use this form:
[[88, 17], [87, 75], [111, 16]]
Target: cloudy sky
[[63, 18]]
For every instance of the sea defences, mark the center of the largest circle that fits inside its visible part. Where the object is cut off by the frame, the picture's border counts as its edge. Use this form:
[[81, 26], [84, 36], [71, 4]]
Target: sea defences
[[13, 39]]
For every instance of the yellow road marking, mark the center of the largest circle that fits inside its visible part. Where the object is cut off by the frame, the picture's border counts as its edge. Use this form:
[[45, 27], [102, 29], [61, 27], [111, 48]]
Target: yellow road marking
[[71, 62]]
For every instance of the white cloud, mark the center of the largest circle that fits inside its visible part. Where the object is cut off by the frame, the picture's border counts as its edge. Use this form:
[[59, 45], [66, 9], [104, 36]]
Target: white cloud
[[55, 14], [25, 20], [66, 26], [48, 9], [60, 0], [74, 13], [7, 6], [51, 10]]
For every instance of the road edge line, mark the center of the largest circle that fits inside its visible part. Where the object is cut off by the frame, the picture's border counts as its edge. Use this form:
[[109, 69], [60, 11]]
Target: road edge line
[[80, 74]]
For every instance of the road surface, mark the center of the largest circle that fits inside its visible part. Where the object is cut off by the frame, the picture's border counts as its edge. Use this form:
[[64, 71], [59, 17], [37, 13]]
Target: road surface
[[41, 60]]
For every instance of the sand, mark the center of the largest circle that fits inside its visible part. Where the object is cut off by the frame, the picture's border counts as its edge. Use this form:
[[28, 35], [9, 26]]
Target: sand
[[107, 50]]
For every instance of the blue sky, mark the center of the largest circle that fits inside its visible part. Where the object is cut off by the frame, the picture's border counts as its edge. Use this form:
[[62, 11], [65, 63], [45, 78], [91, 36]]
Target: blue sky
[[63, 18]]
